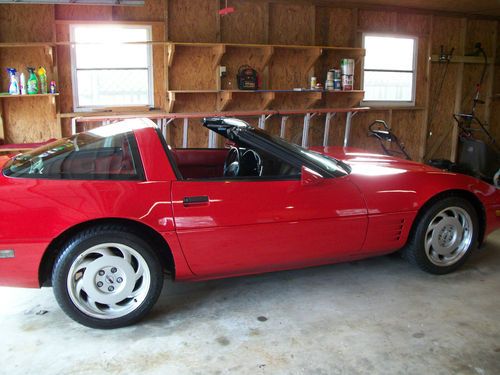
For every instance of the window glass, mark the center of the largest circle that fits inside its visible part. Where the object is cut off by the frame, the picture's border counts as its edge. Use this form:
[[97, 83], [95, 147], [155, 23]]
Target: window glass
[[388, 53], [111, 66], [388, 86], [86, 156]]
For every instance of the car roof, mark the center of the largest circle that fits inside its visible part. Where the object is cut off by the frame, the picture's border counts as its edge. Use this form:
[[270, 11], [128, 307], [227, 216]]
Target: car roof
[[224, 122], [124, 126]]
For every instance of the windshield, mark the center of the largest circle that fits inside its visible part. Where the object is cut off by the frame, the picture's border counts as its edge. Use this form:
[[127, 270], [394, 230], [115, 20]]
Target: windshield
[[88, 156], [327, 163]]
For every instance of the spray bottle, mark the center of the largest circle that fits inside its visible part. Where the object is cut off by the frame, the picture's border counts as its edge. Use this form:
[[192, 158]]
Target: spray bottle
[[42, 75], [22, 81], [14, 84], [32, 82]]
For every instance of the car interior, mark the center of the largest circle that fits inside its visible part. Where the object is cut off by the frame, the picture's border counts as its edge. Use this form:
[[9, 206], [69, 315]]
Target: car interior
[[234, 161], [79, 157]]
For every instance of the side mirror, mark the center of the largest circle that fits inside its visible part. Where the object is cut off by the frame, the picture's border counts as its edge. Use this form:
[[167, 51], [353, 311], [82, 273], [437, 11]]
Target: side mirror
[[309, 177]]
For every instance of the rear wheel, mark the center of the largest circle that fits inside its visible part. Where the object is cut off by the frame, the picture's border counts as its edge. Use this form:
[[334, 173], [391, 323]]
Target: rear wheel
[[444, 236], [106, 277]]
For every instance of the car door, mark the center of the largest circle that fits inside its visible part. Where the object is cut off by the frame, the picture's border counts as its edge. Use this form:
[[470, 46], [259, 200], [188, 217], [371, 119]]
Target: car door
[[234, 226]]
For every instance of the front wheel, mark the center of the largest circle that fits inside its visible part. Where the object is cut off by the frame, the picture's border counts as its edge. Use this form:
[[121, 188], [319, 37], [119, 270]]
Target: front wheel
[[106, 277], [444, 236]]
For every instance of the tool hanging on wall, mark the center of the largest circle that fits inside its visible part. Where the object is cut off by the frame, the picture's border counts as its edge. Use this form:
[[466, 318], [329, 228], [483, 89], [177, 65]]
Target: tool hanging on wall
[[477, 51], [475, 157], [226, 10], [444, 58]]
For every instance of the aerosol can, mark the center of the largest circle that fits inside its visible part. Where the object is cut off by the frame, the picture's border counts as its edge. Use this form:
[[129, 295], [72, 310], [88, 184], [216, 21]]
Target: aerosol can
[[22, 81], [32, 82], [14, 84]]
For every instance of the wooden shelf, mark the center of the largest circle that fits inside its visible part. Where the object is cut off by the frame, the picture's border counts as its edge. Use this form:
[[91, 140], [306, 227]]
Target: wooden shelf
[[8, 96], [24, 45], [267, 97], [194, 91], [463, 59], [265, 91], [278, 46], [111, 113], [395, 108]]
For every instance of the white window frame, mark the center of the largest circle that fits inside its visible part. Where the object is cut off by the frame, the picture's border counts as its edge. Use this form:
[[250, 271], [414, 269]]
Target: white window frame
[[392, 103], [74, 80]]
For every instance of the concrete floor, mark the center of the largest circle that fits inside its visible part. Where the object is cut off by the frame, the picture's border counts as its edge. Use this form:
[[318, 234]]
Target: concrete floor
[[378, 316]]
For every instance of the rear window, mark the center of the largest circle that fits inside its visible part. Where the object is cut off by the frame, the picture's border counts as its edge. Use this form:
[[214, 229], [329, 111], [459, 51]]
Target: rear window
[[92, 155]]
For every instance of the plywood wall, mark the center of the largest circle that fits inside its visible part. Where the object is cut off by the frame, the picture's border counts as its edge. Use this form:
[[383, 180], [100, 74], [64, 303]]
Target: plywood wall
[[426, 130]]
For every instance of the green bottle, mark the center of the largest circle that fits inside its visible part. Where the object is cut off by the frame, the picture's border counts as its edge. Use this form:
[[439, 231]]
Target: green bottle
[[42, 75], [32, 85]]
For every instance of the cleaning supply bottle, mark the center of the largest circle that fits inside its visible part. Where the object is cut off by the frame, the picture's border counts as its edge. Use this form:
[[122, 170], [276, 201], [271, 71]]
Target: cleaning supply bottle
[[53, 88], [14, 84], [42, 75], [32, 87], [22, 80]]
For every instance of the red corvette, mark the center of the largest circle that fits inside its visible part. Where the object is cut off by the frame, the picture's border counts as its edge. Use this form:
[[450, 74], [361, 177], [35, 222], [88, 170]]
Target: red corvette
[[101, 216]]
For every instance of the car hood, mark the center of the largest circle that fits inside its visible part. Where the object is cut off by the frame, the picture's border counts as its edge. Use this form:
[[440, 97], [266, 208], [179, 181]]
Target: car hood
[[371, 164], [390, 184]]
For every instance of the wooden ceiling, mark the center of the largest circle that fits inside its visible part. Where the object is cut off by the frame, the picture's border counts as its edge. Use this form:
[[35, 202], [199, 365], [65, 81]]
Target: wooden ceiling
[[471, 7]]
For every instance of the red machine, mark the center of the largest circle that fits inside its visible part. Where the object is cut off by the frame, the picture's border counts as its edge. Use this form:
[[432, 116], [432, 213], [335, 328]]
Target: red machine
[[102, 215]]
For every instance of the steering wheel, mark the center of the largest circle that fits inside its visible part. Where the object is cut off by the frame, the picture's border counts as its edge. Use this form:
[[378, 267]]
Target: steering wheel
[[251, 163], [232, 162]]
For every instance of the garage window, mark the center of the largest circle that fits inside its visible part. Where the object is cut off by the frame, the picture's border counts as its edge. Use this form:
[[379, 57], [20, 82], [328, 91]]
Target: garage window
[[110, 66], [389, 70]]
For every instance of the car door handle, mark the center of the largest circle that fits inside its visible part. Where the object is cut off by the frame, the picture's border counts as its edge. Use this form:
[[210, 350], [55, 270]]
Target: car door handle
[[196, 200]]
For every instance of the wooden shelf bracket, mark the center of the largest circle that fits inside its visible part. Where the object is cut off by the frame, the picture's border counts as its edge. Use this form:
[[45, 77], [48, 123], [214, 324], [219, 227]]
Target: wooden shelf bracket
[[314, 55], [267, 54], [267, 99], [171, 101], [217, 52], [223, 100], [314, 98], [170, 54]]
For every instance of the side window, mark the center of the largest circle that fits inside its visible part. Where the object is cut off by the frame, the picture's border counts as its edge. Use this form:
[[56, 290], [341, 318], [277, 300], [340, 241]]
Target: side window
[[236, 161], [86, 156]]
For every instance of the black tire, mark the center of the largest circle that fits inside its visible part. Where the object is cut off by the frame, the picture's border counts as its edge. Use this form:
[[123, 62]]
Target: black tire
[[428, 260], [142, 277]]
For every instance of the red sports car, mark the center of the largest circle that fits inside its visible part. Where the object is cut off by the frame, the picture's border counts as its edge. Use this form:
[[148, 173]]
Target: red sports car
[[102, 215]]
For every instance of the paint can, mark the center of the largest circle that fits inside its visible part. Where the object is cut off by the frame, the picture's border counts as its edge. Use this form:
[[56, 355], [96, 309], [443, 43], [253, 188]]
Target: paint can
[[313, 83], [347, 67], [347, 82], [329, 85], [337, 85]]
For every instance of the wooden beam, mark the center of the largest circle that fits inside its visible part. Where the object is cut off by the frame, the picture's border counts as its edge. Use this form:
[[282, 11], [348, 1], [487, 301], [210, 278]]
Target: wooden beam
[[2, 130], [459, 93], [491, 79], [465, 59], [422, 149]]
